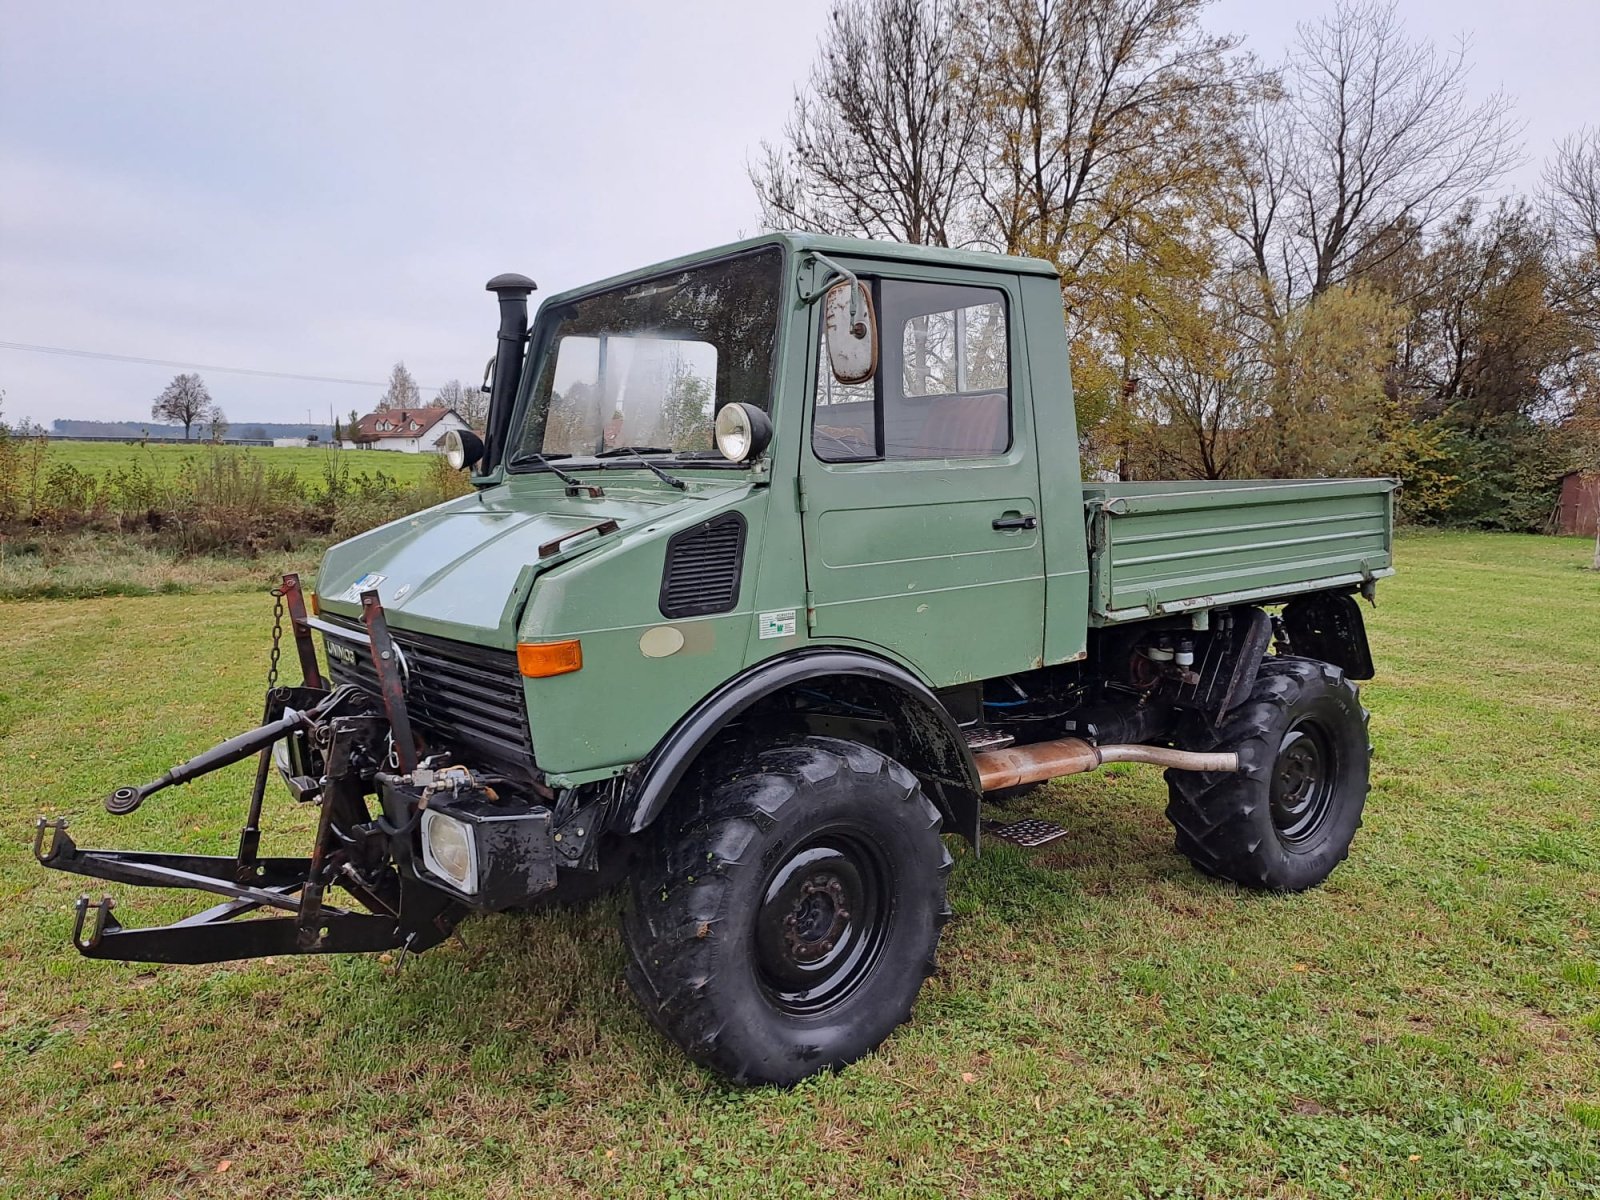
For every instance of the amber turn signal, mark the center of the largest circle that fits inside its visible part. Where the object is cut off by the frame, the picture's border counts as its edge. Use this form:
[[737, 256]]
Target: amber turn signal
[[537, 660], [313, 604]]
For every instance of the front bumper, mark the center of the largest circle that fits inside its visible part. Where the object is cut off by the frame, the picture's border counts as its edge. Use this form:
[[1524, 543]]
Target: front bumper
[[345, 745]]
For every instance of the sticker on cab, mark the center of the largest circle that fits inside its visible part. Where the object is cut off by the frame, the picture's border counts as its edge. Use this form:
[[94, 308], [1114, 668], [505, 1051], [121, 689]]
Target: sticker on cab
[[780, 624]]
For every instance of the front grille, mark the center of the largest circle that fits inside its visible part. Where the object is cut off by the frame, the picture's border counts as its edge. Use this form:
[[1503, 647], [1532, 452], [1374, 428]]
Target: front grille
[[466, 698], [703, 568]]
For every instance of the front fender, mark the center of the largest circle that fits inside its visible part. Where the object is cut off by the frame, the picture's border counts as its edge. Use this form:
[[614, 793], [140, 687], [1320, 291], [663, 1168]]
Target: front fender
[[943, 762]]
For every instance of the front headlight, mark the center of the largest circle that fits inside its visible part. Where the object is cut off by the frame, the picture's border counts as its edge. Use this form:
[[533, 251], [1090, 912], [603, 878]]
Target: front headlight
[[448, 850], [742, 431]]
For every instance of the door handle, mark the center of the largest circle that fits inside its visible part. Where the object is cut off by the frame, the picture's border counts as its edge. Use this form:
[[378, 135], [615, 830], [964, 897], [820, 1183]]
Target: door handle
[[1028, 522]]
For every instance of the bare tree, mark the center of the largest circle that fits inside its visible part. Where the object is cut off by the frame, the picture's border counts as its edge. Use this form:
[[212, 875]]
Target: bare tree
[[1371, 132], [217, 421], [1572, 199], [402, 391], [1571, 196], [468, 402], [878, 139], [184, 401], [1572, 189]]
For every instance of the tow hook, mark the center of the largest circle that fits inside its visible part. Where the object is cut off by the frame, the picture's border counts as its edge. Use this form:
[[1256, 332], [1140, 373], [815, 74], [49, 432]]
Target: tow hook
[[104, 922], [57, 827]]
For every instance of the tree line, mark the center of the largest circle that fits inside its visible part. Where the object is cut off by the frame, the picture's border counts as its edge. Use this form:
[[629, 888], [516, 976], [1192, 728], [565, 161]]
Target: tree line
[[186, 401], [1295, 269]]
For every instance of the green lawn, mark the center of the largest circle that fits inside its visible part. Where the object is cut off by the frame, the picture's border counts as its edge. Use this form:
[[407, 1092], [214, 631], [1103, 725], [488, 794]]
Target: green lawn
[[1105, 1021], [309, 463]]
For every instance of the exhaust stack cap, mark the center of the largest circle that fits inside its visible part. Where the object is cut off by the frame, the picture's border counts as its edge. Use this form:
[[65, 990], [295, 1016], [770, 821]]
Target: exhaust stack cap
[[511, 286]]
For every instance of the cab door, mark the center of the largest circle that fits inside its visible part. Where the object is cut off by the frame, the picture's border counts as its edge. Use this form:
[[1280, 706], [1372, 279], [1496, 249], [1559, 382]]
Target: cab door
[[920, 489]]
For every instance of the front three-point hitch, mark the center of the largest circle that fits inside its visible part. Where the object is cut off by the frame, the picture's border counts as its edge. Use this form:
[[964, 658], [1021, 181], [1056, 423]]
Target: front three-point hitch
[[334, 747]]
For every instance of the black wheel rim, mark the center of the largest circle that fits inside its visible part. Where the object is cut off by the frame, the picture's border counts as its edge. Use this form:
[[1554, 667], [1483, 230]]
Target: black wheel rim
[[823, 920], [1303, 782]]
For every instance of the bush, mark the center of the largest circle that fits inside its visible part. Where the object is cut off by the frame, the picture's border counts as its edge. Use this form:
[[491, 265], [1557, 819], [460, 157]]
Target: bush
[[220, 500], [1508, 474]]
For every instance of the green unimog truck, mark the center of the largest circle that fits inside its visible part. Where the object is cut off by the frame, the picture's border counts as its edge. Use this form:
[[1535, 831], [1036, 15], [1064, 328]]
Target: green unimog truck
[[779, 567]]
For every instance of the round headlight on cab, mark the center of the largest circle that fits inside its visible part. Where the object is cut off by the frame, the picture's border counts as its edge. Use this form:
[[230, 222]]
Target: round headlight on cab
[[462, 449], [743, 431]]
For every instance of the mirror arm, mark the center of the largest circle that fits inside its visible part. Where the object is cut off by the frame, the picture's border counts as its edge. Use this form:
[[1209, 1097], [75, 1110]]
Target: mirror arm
[[811, 296]]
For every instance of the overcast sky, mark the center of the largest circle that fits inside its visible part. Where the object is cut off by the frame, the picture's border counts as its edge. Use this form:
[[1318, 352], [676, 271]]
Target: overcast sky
[[324, 189]]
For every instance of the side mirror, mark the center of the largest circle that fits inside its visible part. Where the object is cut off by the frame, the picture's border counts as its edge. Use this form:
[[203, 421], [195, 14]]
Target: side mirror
[[850, 331], [462, 449]]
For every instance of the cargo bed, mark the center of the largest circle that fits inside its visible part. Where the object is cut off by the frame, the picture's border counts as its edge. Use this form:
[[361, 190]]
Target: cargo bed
[[1157, 548]]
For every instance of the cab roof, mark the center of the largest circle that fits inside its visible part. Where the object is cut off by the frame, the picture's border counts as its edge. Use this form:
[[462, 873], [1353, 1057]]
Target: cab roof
[[843, 247]]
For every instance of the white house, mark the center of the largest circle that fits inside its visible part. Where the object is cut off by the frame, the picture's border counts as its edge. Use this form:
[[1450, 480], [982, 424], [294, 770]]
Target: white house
[[409, 430]]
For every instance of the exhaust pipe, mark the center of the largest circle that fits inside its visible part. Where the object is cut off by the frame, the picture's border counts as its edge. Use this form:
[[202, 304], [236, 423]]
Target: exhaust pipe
[[1017, 765], [510, 349]]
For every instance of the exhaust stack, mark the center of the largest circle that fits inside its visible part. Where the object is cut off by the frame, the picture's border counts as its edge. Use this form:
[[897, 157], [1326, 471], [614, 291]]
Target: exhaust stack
[[512, 290]]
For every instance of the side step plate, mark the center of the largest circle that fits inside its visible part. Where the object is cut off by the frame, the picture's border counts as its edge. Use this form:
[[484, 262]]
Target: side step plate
[[987, 739], [1029, 832]]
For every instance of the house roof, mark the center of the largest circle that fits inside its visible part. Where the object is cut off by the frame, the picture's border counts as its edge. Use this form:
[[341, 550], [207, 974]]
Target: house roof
[[398, 423]]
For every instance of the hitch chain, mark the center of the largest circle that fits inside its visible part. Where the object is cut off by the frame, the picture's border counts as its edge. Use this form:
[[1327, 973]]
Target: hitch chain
[[277, 637]]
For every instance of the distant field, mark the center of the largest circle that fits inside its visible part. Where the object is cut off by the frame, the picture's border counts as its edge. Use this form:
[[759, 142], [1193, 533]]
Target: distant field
[[308, 463]]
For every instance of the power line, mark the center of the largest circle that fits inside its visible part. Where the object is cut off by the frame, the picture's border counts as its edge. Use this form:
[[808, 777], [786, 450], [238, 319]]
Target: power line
[[164, 362]]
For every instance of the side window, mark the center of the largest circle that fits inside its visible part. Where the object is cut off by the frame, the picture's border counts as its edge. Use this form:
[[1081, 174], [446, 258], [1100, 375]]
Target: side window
[[844, 427], [943, 388]]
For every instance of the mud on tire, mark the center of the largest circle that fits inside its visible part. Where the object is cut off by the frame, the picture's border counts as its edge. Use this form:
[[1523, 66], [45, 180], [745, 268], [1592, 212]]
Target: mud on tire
[[783, 919], [1286, 819]]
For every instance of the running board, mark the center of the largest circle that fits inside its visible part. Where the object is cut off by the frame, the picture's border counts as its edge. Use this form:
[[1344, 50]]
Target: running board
[[1030, 831]]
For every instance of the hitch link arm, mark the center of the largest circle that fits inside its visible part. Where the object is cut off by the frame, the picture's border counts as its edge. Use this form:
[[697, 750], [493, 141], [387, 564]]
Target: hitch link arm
[[236, 749]]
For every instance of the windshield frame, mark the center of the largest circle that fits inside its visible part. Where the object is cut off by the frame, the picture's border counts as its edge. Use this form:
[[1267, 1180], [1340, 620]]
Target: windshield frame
[[541, 344]]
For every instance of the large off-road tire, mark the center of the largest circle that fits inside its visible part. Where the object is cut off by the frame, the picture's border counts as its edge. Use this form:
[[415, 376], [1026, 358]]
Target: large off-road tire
[[1285, 820], [783, 918]]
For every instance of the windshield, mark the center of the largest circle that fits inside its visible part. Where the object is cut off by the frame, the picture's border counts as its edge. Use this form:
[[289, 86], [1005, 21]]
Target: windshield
[[648, 365]]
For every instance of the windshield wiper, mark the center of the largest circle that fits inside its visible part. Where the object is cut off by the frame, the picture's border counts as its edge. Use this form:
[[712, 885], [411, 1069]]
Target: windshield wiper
[[533, 456], [638, 455]]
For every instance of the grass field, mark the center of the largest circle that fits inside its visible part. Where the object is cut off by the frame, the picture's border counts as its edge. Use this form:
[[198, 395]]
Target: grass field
[[1105, 1022], [307, 462]]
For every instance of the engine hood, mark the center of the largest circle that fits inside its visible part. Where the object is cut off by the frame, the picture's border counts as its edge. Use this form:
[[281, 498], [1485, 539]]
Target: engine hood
[[463, 569]]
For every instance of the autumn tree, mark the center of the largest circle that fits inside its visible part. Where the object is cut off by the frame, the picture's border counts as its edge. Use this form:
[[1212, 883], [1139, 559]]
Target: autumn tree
[[184, 401], [402, 391], [1093, 111], [1088, 132], [1486, 338], [1192, 399]]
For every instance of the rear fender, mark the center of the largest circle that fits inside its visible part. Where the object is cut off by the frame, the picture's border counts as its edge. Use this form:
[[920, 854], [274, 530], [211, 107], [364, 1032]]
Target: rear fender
[[1328, 626], [935, 750]]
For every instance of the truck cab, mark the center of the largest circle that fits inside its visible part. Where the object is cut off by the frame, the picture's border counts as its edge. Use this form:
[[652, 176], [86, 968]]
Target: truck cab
[[779, 565]]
